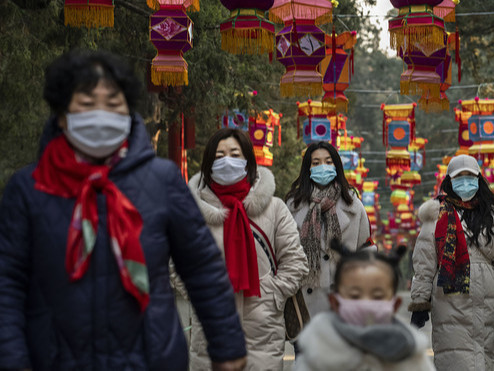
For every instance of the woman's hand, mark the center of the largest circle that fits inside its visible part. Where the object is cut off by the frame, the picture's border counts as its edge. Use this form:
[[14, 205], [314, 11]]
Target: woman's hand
[[234, 365]]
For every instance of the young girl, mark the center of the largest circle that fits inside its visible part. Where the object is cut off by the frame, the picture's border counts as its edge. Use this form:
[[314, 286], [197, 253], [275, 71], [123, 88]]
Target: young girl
[[361, 332]]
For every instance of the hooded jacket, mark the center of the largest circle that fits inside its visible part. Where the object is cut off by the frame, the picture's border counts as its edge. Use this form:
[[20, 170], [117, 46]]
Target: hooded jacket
[[355, 230], [49, 323], [262, 318], [462, 324]]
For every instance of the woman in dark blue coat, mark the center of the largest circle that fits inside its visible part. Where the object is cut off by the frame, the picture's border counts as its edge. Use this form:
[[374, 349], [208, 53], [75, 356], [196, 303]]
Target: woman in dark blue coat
[[86, 235]]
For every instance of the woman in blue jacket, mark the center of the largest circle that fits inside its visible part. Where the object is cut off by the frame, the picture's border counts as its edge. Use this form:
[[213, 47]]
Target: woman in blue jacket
[[86, 235]]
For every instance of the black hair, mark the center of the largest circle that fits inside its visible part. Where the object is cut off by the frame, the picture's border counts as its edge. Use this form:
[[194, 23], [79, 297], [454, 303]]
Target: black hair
[[479, 219], [80, 71], [363, 257], [212, 145], [302, 187]]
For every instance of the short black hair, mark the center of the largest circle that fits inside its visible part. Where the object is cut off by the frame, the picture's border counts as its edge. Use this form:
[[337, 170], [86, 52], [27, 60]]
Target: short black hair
[[210, 153], [81, 70], [365, 257]]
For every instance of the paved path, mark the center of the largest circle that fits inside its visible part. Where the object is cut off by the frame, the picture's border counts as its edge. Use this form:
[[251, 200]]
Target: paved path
[[185, 312]]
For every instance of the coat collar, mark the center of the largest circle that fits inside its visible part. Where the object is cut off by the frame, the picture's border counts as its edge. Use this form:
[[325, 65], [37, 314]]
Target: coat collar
[[429, 211], [255, 203]]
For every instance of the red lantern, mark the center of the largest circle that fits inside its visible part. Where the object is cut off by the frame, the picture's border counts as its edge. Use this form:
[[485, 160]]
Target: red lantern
[[170, 31], [247, 31], [261, 130], [89, 13], [398, 132]]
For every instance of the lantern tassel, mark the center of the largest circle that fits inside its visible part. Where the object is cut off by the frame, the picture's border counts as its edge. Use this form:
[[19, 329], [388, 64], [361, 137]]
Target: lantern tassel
[[169, 76], [430, 38], [247, 41], [300, 89], [89, 16], [414, 88]]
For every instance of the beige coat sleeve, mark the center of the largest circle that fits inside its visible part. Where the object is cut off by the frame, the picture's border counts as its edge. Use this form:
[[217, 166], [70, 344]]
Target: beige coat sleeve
[[292, 262], [425, 258], [364, 227]]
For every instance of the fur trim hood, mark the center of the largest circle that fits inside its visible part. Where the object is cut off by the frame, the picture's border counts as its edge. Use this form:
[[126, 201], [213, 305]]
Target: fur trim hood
[[255, 203], [429, 211]]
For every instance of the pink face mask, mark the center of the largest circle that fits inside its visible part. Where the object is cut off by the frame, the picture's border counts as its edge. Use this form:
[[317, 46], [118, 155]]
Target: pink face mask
[[366, 312]]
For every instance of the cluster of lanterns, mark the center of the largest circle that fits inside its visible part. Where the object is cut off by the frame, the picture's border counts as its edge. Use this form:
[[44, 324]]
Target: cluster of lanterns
[[475, 119], [261, 128], [405, 156], [419, 36]]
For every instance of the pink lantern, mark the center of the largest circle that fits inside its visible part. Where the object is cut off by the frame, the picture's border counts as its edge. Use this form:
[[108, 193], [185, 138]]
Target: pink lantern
[[170, 31], [300, 45], [247, 31]]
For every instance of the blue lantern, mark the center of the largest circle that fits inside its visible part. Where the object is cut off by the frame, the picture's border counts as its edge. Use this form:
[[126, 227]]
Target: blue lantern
[[316, 130]]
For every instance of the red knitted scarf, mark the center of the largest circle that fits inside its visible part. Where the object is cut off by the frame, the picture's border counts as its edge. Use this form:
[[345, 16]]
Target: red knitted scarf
[[238, 240], [452, 250], [60, 174]]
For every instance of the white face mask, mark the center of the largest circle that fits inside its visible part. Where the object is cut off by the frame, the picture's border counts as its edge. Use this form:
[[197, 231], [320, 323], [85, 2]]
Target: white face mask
[[228, 170], [97, 133]]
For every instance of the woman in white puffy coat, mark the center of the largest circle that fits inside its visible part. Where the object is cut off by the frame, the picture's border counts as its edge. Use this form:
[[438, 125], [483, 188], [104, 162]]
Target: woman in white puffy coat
[[228, 169], [454, 272], [324, 208]]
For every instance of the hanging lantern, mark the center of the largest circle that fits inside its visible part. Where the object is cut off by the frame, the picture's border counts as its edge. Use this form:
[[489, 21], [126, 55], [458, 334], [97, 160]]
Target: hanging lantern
[[440, 175], [361, 172], [300, 45], [88, 13], [170, 31], [463, 136], [480, 128], [446, 10], [370, 200], [416, 27], [247, 31], [317, 125], [423, 73], [261, 131], [430, 103], [398, 132], [337, 68], [235, 119]]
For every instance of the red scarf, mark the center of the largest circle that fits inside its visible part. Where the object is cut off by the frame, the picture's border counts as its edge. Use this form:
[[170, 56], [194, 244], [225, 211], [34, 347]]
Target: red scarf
[[238, 240], [452, 250], [60, 174]]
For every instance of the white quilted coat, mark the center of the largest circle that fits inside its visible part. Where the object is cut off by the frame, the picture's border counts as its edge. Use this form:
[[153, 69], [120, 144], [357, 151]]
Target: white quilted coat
[[462, 324], [262, 318]]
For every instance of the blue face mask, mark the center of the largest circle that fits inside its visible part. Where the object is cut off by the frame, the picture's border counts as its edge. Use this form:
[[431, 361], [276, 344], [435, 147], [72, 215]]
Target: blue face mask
[[323, 174], [465, 187]]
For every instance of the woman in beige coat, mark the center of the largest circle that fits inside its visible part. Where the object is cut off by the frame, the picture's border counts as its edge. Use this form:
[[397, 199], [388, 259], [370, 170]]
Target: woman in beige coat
[[232, 186], [454, 272], [324, 208]]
